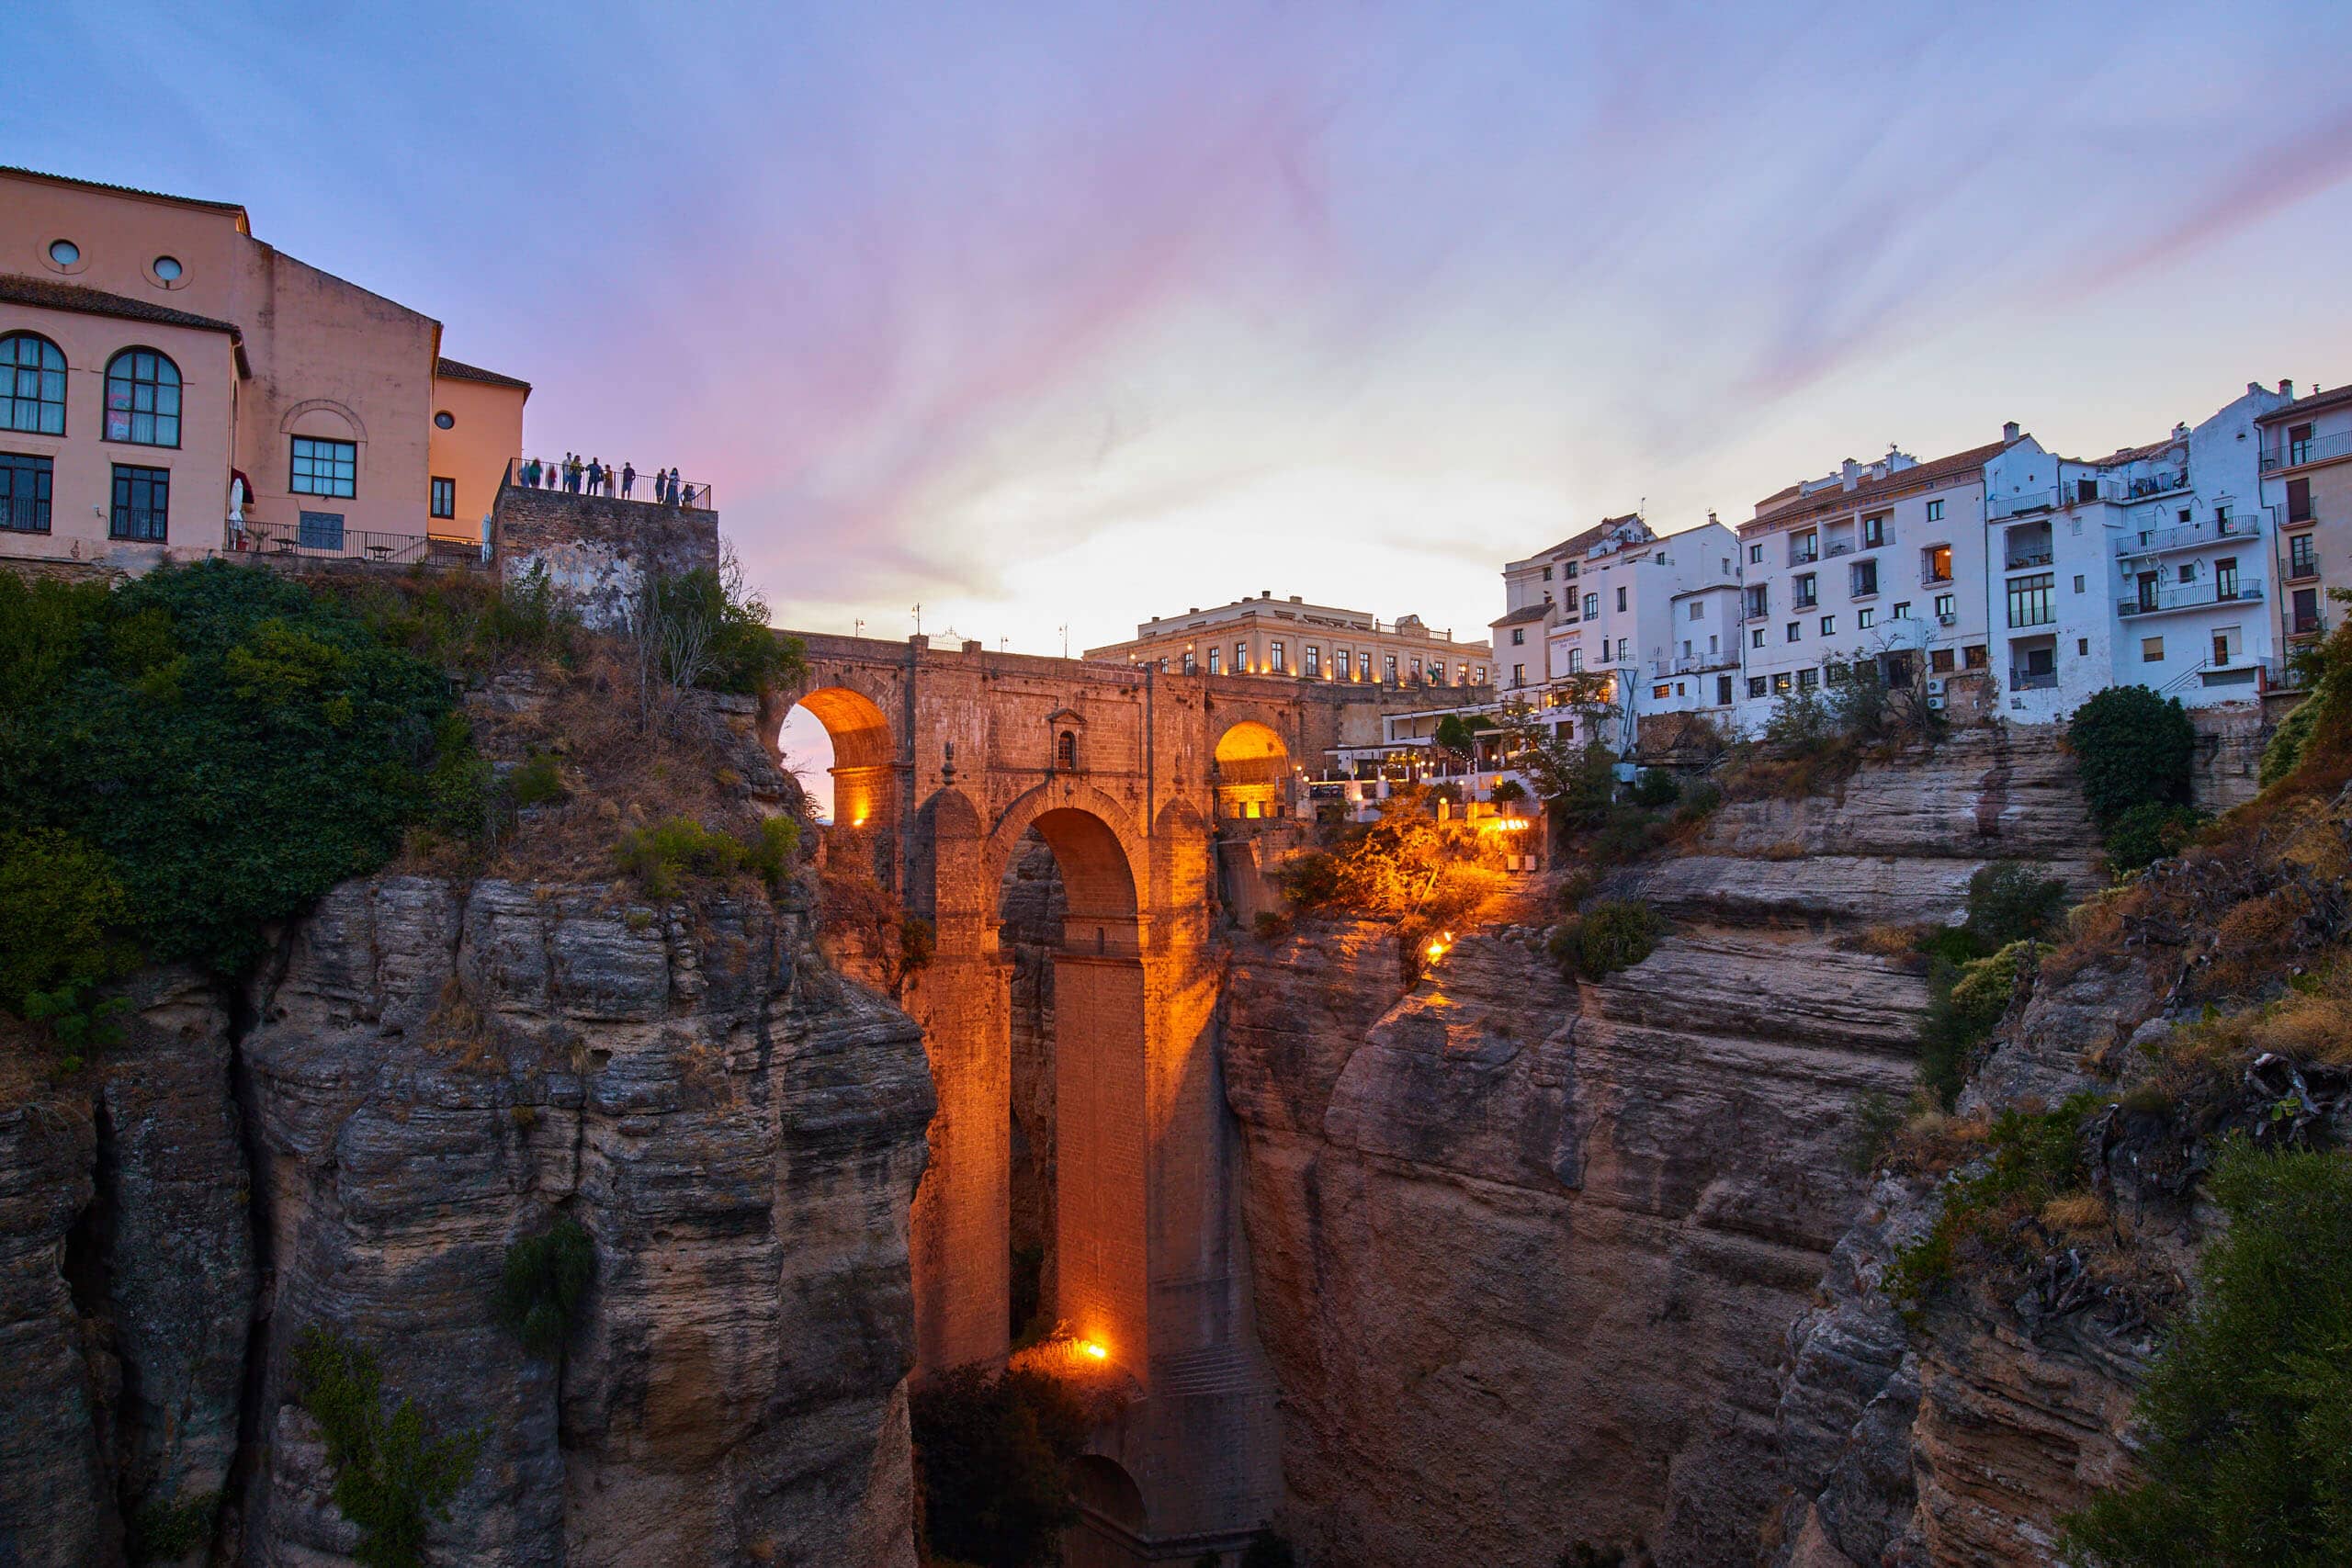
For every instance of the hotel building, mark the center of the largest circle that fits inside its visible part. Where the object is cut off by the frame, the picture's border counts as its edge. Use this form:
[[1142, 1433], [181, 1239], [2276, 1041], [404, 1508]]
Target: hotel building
[[172, 386], [1308, 642]]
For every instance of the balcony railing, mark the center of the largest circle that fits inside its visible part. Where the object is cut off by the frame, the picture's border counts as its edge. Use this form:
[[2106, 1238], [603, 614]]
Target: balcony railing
[[1758, 613], [346, 544], [2155, 601], [2186, 535], [1807, 603], [650, 489], [2018, 560], [24, 514], [2015, 506], [1842, 547], [2143, 487], [2315, 449], [1802, 557], [1935, 579], [2303, 568], [2032, 680]]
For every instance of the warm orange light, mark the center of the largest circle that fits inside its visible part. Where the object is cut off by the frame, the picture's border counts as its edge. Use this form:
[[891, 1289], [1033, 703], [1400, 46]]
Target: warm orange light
[[858, 820], [1094, 1350]]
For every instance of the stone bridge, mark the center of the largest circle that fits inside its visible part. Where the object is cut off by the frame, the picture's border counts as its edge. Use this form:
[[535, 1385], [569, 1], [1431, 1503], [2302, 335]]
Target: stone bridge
[[946, 762]]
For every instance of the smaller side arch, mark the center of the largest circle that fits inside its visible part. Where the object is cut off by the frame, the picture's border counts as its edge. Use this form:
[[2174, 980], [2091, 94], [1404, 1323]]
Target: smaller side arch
[[317, 416], [1108, 1494], [1252, 770]]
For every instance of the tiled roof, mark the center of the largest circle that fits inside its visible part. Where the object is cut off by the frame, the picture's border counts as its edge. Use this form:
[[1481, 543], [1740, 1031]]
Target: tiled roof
[[2312, 403], [1837, 498], [1579, 544], [453, 370], [1522, 616], [50, 293], [124, 190]]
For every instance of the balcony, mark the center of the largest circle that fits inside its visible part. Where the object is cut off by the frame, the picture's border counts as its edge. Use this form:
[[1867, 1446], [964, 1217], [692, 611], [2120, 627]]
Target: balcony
[[2146, 487], [2303, 568], [1935, 579], [2156, 601], [1757, 612], [2001, 506], [2185, 536], [1803, 557], [2033, 681], [318, 543], [2316, 449], [1807, 603], [1841, 547], [2032, 556]]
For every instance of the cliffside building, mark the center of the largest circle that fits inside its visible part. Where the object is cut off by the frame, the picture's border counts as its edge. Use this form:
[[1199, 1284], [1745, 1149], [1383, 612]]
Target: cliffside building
[[1301, 642], [2306, 464], [163, 372]]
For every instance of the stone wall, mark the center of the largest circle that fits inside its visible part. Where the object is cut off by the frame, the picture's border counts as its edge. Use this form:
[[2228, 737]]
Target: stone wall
[[598, 548]]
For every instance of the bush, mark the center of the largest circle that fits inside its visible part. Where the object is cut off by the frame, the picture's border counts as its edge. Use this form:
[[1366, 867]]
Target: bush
[[165, 1532], [1699, 798], [2248, 1410], [663, 856], [1270, 925], [539, 1292], [537, 781], [992, 1457], [1877, 1118], [64, 908], [1508, 791], [2132, 747], [2007, 903], [1615, 934], [2285, 750], [1964, 1003], [1654, 787], [391, 1471], [228, 743], [2149, 832], [2029, 1159]]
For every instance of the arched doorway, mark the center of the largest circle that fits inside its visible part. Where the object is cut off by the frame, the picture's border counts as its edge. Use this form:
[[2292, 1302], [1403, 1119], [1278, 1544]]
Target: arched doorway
[[1110, 1529], [1253, 772], [839, 742]]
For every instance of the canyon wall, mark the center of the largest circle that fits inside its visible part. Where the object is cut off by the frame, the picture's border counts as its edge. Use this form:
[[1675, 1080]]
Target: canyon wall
[[1526, 1252], [433, 1071]]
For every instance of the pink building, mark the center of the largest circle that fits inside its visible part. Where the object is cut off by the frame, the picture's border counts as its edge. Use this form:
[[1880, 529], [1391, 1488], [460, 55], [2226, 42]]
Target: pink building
[[171, 387]]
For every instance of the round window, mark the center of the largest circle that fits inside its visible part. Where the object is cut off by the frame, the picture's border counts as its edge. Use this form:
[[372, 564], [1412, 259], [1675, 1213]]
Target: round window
[[64, 253], [168, 268], [445, 419]]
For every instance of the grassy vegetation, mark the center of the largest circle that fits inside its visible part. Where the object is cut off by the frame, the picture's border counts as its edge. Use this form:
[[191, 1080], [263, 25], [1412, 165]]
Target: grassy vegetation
[[2031, 1158], [393, 1474], [1609, 935], [2249, 1409], [664, 857]]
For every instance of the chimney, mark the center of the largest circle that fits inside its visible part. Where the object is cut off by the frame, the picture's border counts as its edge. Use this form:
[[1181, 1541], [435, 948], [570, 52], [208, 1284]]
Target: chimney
[[2010, 430], [1296, 599], [1847, 470], [2179, 428], [2286, 389], [1265, 594]]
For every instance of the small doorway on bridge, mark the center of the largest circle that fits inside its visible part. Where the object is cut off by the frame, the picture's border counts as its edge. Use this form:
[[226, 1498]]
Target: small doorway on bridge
[[1253, 772]]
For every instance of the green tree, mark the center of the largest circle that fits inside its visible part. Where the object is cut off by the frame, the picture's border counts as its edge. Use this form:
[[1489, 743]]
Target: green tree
[[2132, 747], [992, 1455], [2249, 1409], [2007, 902], [392, 1473], [1454, 738], [541, 1289]]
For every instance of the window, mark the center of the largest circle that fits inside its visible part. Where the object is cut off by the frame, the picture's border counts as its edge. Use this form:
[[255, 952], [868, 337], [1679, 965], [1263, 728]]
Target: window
[[1755, 638], [1620, 598], [1569, 571], [1665, 689], [2221, 647], [1934, 564], [1388, 667], [1828, 626], [319, 531], [1805, 546], [1723, 690], [1873, 531], [1519, 636], [142, 503], [2029, 601], [1591, 605], [1482, 675], [1806, 595], [1759, 601], [1808, 678], [2185, 573], [1940, 661], [1756, 555], [1576, 661], [1518, 674], [1781, 684], [1863, 619], [25, 483], [32, 385], [1796, 631], [1213, 655], [1902, 609], [1935, 511], [444, 497], [1163, 665], [1065, 749], [2225, 578], [1621, 650], [1275, 664], [444, 420], [1462, 674], [2306, 611], [1698, 609], [64, 253], [1241, 659], [167, 269], [2083, 646], [1548, 574], [1865, 578], [324, 467], [1313, 659], [1756, 685], [2298, 491], [2302, 559], [143, 398], [2079, 583], [2152, 650], [1414, 669], [1189, 667], [1547, 596]]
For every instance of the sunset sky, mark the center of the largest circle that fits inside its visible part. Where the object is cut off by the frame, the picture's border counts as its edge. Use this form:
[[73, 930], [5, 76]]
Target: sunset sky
[[1068, 315]]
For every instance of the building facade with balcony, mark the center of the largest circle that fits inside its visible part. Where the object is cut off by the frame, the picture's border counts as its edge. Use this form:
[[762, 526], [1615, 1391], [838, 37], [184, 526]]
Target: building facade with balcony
[[2306, 463], [1882, 561], [1292, 639], [176, 388]]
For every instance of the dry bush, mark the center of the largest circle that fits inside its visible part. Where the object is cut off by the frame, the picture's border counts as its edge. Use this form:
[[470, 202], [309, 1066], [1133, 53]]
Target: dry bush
[[1787, 849], [2077, 1217], [2093, 932], [1887, 941]]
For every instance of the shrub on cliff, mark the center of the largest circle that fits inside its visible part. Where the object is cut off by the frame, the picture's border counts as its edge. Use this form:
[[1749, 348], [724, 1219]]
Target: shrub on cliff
[[541, 1289], [663, 856], [2030, 1159], [1613, 934], [992, 1457], [226, 743], [2249, 1409], [1964, 1002], [2007, 902], [392, 1473], [2132, 747]]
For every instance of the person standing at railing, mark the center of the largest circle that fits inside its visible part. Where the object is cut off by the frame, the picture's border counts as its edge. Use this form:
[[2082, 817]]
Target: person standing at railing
[[595, 475], [628, 477], [673, 484]]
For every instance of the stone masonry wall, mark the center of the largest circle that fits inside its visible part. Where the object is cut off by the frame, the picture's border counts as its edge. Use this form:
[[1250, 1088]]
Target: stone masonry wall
[[597, 547]]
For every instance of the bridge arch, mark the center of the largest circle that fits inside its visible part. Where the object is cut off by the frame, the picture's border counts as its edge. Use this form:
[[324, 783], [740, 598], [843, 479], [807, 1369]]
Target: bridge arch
[[1252, 771]]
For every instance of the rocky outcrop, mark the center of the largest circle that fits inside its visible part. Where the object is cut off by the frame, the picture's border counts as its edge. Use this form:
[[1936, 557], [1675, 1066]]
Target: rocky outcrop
[[1527, 1252]]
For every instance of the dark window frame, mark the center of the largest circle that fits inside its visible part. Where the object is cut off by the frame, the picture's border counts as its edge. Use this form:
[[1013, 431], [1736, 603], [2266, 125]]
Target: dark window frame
[[28, 471], [2026, 595], [294, 455], [13, 370], [154, 385], [126, 518], [437, 488]]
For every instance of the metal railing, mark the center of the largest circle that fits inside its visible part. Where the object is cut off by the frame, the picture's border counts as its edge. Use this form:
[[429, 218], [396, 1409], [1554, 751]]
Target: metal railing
[[1842, 547], [2029, 501], [347, 544], [2191, 596], [2312, 449], [24, 514], [2030, 681], [2186, 535], [1802, 557], [2020, 559], [2143, 487], [654, 488], [2303, 568]]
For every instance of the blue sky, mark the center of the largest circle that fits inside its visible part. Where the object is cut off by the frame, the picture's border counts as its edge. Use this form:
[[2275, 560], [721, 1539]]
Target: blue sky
[[1050, 315]]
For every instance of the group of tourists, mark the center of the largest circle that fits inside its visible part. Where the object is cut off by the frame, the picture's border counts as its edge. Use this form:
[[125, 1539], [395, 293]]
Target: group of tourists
[[593, 478]]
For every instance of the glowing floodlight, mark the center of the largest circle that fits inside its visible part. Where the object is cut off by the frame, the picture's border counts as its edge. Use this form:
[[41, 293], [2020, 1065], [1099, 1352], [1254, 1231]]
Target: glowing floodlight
[[1094, 1350]]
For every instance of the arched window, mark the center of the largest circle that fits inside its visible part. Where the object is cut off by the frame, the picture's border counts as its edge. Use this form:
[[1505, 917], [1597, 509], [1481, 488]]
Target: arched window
[[1066, 750], [143, 399], [32, 385]]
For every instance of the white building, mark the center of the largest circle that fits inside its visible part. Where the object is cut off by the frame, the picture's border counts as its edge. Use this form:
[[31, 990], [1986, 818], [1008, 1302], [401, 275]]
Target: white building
[[1878, 561]]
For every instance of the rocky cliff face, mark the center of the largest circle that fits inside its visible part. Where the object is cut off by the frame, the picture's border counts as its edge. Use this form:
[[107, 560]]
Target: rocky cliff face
[[1527, 1252], [434, 1070]]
